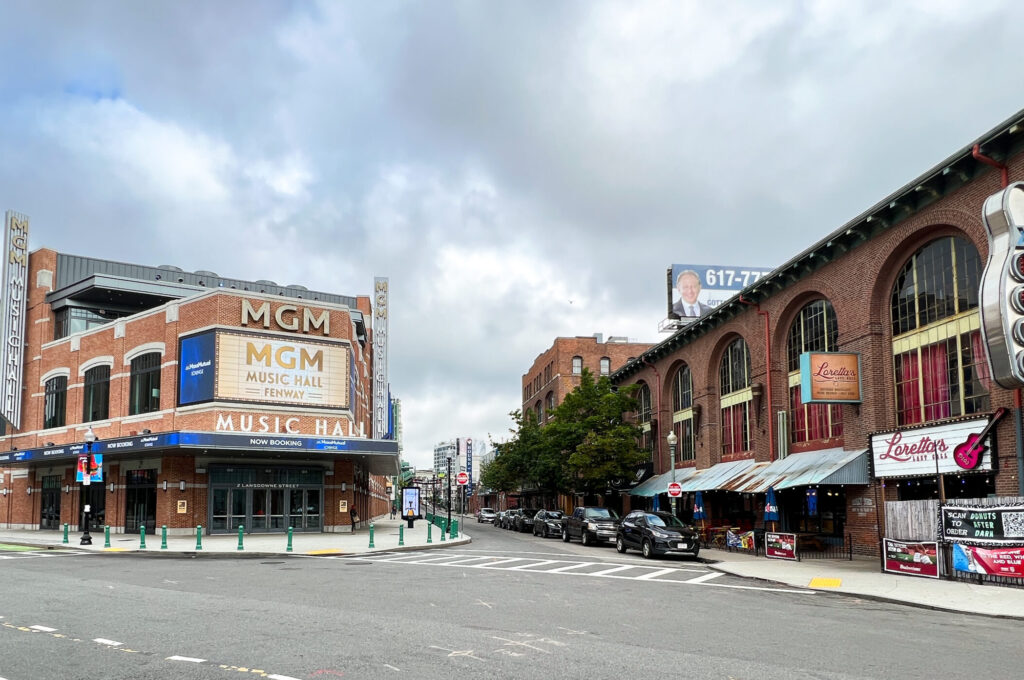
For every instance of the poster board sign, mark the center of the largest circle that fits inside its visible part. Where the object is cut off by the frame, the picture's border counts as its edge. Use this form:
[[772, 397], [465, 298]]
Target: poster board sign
[[989, 525], [744, 540], [993, 561], [780, 546], [918, 558], [696, 289], [97, 475], [830, 378], [182, 507], [411, 502]]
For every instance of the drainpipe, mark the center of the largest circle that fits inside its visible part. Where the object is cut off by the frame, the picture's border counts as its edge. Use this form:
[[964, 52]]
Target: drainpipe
[[1004, 178], [658, 405], [768, 375]]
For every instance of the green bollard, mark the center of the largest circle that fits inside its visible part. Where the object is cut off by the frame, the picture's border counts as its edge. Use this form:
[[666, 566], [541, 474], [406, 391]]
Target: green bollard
[[444, 530], [142, 537], [163, 537], [199, 537], [454, 528], [65, 533], [106, 536], [289, 548], [241, 530], [371, 534], [401, 535], [429, 527]]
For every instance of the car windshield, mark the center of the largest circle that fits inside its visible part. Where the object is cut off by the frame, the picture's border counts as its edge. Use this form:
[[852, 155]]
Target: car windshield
[[486, 511], [529, 512], [601, 513], [554, 514], [665, 521]]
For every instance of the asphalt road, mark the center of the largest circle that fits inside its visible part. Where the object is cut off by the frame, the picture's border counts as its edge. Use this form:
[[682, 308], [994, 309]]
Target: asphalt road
[[506, 606]]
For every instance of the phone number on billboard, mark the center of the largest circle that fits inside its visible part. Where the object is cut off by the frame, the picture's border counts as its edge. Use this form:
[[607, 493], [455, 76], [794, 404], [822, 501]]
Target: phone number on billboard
[[724, 278]]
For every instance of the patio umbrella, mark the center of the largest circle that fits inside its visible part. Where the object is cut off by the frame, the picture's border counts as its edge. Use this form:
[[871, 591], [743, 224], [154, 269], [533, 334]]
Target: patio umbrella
[[771, 508], [698, 508]]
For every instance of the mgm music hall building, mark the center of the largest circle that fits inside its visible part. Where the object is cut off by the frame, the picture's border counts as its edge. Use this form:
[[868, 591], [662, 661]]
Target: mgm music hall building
[[203, 400]]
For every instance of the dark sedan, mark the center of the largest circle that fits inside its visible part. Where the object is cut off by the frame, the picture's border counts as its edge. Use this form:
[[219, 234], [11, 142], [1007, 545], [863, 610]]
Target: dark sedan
[[656, 533], [524, 520], [547, 523]]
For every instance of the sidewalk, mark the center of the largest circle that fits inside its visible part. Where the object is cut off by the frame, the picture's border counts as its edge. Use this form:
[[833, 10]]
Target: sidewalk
[[857, 578], [385, 538], [864, 578]]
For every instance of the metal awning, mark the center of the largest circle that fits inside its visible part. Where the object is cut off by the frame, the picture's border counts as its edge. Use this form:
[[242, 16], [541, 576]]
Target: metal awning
[[829, 466], [718, 476], [659, 483]]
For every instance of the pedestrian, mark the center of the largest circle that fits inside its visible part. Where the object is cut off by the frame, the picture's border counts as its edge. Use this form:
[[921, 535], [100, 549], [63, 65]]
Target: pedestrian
[[394, 510]]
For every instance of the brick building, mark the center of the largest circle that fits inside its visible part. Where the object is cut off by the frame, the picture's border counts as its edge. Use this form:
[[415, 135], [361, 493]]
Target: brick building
[[204, 401], [898, 286]]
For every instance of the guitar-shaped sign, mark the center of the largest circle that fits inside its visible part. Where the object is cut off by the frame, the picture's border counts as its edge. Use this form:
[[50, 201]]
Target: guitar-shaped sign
[[969, 453]]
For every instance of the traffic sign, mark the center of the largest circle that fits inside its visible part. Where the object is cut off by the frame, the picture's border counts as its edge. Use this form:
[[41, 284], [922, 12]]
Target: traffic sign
[[675, 489], [462, 479]]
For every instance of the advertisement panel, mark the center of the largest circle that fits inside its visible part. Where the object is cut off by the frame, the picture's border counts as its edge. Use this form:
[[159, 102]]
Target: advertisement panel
[[197, 368], [15, 287], [380, 357], [695, 289], [995, 524], [780, 546], [993, 561], [830, 377], [272, 370], [911, 559], [411, 502], [909, 452], [97, 473]]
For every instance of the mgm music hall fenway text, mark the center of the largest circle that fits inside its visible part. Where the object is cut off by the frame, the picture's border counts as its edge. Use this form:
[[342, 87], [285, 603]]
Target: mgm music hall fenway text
[[195, 400]]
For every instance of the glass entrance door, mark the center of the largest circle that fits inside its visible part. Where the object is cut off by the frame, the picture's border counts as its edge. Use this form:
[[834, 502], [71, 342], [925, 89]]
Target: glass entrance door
[[267, 510], [304, 509], [50, 504], [140, 500]]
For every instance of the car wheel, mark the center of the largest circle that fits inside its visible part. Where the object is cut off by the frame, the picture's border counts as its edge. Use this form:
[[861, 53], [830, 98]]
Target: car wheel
[[620, 544], [585, 538], [565, 535], [648, 549]]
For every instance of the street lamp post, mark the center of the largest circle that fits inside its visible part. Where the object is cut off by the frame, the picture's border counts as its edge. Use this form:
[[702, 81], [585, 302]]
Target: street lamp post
[[672, 439], [90, 437], [448, 482]]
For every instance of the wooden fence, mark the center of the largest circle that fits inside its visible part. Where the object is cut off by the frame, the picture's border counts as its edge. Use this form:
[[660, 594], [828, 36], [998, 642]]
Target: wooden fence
[[919, 520]]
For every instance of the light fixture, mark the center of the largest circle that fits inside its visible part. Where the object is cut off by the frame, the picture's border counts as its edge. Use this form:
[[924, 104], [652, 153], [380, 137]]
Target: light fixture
[[90, 436], [49, 443], [696, 410], [165, 485], [67, 488], [756, 392], [671, 438], [5, 491], [30, 491], [111, 487], [146, 431], [181, 485]]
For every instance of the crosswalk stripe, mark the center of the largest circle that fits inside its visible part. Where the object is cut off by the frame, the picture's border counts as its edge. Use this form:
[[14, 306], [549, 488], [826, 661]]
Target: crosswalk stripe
[[558, 570], [608, 571], [535, 564], [706, 577], [655, 574]]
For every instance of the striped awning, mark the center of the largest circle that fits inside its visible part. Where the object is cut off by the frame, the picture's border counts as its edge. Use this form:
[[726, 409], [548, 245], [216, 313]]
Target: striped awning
[[718, 476], [659, 483]]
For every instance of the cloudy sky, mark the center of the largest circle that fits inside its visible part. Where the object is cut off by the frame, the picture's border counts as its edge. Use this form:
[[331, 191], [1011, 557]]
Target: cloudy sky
[[519, 170]]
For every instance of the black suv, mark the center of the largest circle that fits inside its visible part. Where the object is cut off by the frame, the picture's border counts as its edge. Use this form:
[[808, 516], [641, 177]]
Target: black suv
[[547, 523], [524, 520], [590, 524], [656, 533]]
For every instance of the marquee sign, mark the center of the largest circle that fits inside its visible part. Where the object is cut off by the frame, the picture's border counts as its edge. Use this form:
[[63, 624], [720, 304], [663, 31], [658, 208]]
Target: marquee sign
[[381, 407], [15, 290], [910, 452]]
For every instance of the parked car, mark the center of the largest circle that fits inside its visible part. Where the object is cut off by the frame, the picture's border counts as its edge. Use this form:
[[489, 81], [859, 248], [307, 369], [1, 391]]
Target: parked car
[[499, 519], [548, 523], [590, 524], [486, 515], [524, 520], [656, 533], [510, 518]]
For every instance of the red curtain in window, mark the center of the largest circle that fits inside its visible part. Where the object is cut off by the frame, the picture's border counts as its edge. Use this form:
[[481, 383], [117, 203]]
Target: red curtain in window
[[797, 413], [980, 360], [935, 378], [907, 376], [732, 429]]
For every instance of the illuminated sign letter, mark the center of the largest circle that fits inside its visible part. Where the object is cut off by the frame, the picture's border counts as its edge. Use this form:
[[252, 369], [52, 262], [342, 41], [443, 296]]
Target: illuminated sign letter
[[255, 314], [309, 321]]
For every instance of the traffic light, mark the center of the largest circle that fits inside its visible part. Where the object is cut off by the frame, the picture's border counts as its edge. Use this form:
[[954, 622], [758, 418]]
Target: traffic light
[[1001, 297]]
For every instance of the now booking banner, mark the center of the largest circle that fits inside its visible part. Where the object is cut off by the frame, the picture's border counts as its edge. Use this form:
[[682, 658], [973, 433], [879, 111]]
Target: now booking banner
[[993, 561]]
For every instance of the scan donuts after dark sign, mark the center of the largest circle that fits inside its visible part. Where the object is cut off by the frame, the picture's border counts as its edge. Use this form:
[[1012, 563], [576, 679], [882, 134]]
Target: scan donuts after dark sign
[[986, 525]]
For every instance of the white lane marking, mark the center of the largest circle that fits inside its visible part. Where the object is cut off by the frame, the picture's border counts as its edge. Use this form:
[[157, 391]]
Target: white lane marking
[[535, 564], [466, 561], [387, 665], [705, 577], [654, 574], [43, 629], [557, 570], [185, 658], [607, 571], [488, 565], [104, 641], [281, 677]]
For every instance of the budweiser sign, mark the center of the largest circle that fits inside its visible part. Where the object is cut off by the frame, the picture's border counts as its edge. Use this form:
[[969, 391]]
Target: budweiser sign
[[916, 451]]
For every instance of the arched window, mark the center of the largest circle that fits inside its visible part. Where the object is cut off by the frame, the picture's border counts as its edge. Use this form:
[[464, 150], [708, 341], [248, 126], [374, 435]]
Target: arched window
[[814, 330], [938, 356], [577, 365], [734, 385], [606, 366], [643, 417], [539, 409], [145, 384], [551, 403], [96, 394], [682, 414], [55, 402]]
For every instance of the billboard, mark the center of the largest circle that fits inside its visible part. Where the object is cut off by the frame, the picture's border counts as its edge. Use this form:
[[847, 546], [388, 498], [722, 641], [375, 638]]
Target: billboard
[[411, 502], [380, 357], [263, 369], [696, 289], [15, 287]]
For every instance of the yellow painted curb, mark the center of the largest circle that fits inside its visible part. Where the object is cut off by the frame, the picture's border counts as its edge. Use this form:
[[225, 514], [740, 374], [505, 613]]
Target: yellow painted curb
[[324, 552], [115, 549], [825, 583]]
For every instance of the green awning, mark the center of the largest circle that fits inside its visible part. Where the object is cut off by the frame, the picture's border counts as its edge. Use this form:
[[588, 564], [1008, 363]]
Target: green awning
[[659, 483]]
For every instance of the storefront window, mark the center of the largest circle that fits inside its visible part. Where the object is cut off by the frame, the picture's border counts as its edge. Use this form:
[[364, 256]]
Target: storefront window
[[734, 379], [938, 355]]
